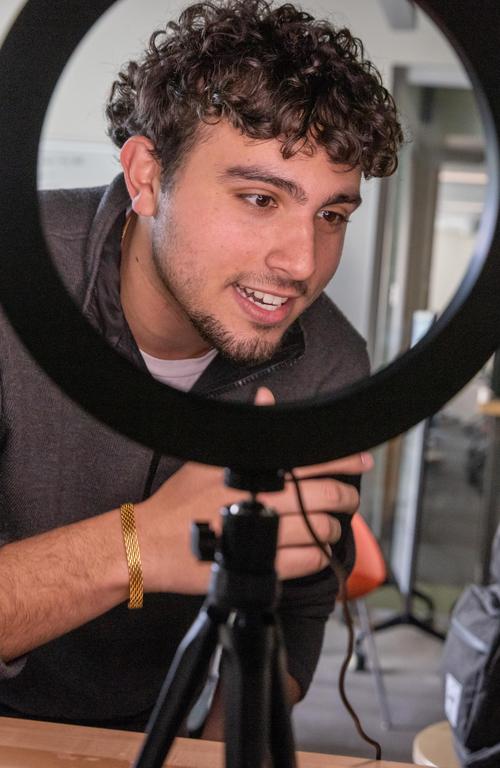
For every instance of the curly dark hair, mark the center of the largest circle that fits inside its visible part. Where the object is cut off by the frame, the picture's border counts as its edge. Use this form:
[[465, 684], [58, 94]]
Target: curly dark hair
[[270, 72]]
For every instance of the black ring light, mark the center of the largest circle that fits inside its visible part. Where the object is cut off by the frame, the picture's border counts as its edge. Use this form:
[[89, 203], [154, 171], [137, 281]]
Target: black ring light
[[415, 385]]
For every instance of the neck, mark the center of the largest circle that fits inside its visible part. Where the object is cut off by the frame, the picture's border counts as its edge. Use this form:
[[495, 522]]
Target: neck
[[158, 324]]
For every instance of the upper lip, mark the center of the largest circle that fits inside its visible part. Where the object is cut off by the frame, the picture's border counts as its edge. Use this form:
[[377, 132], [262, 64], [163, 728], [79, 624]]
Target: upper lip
[[281, 295]]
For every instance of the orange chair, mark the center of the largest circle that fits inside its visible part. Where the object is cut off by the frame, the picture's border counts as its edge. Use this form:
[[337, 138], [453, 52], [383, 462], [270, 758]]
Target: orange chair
[[369, 573]]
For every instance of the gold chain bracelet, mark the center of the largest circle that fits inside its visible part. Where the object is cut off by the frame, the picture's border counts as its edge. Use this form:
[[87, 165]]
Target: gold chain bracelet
[[136, 583]]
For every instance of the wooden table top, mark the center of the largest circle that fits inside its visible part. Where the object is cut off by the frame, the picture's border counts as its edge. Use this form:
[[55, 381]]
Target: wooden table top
[[33, 744]]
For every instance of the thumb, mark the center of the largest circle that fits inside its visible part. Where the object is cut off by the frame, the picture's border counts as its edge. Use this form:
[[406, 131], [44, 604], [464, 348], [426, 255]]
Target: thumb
[[264, 396]]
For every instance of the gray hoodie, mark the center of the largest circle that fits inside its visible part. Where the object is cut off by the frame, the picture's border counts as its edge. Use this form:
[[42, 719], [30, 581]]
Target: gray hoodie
[[59, 465]]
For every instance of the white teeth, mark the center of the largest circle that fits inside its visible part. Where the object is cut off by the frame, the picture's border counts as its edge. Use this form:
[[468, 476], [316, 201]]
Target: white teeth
[[264, 300], [267, 307]]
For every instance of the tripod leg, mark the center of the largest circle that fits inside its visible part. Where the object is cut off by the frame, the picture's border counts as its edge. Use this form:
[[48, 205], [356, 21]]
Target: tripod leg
[[374, 663], [281, 742], [247, 641], [189, 667], [201, 709], [429, 602], [414, 622]]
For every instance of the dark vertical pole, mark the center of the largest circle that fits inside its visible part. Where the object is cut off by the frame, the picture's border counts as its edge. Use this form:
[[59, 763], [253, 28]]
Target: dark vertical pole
[[495, 376], [491, 499]]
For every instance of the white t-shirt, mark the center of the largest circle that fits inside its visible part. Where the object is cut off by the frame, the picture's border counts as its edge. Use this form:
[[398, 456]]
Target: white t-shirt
[[181, 374]]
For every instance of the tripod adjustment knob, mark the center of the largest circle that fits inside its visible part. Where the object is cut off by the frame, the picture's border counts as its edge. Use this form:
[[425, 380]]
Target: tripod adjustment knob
[[203, 541]]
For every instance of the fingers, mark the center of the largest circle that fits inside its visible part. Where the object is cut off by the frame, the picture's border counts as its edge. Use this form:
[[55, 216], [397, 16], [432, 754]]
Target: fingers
[[293, 562], [349, 465], [264, 396], [322, 495], [293, 531]]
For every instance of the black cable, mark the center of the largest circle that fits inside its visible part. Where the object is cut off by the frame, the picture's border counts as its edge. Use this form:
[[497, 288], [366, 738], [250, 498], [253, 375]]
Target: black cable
[[341, 575]]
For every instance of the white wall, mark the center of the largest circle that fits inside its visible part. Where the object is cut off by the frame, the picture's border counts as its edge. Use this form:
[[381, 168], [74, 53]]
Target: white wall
[[8, 11], [121, 33], [351, 287], [76, 112]]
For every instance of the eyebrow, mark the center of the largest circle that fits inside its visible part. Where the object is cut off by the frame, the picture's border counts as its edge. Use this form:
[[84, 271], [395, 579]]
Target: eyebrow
[[298, 193]]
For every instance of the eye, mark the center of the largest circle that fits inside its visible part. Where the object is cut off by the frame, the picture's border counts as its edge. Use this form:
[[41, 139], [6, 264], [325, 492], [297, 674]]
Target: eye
[[260, 201], [333, 217]]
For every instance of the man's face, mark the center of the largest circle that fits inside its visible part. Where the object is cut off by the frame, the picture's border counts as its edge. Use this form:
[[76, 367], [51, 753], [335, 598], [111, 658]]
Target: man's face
[[245, 241]]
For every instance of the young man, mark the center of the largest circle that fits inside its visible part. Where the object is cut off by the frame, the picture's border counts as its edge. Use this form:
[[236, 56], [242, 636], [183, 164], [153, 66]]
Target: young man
[[244, 133]]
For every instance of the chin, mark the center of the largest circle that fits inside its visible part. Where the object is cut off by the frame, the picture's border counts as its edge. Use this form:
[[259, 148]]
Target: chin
[[245, 349], [249, 351]]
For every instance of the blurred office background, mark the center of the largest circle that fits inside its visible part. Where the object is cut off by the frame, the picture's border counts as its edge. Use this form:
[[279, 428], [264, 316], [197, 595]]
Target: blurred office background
[[407, 251]]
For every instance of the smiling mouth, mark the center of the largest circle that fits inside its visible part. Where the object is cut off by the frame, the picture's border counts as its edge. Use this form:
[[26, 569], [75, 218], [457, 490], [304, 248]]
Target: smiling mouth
[[267, 301]]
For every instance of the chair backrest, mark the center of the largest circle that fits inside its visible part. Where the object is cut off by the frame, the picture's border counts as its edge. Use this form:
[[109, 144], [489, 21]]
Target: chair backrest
[[369, 571]]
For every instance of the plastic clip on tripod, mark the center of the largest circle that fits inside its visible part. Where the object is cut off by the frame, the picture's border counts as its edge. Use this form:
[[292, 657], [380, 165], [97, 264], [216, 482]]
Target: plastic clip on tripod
[[239, 612]]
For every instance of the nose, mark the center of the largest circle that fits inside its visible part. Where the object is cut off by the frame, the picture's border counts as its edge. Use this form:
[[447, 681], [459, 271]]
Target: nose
[[293, 252]]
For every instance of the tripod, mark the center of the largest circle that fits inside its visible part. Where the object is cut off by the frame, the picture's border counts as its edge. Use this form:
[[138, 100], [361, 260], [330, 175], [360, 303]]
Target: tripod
[[405, 618], [239, 612]]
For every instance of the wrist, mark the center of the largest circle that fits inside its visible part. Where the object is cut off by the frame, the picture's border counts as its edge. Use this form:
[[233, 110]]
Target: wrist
[[143, 524]]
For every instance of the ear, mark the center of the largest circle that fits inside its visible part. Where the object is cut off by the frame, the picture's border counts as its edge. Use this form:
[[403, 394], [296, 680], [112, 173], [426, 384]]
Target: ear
[[142, 174]]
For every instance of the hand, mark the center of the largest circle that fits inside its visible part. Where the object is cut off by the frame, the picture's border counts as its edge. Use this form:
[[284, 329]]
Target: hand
[[197, 492], [297, 554]]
